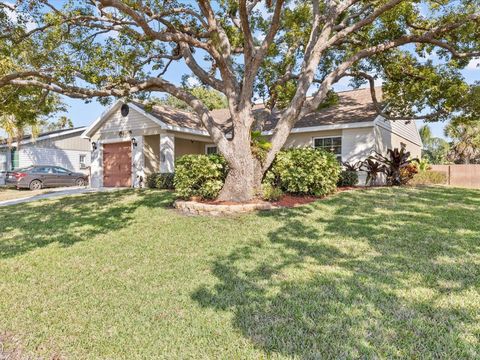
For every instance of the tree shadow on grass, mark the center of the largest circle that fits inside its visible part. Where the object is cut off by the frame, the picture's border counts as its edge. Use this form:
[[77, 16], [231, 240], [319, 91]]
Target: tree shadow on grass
[[391, 273], [69, 220]]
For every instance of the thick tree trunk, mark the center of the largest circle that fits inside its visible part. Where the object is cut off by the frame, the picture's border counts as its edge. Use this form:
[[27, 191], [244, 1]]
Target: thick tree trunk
[[243, 182]]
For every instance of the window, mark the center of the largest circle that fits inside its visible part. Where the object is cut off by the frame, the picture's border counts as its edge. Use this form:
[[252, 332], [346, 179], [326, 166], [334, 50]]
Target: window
[[83, 159], [211, 149], [330, 144], [43, 170], [59, 170], [14, 158]]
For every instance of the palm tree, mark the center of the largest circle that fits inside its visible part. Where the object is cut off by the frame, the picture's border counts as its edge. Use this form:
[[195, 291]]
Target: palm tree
[[465, 145]]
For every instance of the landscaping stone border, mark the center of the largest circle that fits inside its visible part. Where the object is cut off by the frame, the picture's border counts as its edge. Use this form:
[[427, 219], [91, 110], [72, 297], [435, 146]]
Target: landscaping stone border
[[198, 208]]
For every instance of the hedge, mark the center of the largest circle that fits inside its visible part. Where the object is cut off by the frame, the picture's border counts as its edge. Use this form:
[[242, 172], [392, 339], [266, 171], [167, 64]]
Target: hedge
[[160, 181], [429, 177], [200, 176], [305, 171]]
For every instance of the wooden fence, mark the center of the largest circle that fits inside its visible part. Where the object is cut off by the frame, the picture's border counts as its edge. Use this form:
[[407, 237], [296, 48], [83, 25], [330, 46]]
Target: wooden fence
[[461, 175]]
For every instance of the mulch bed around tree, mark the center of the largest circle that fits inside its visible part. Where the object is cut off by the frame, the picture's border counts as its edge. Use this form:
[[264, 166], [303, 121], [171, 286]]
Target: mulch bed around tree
[[286, 200]]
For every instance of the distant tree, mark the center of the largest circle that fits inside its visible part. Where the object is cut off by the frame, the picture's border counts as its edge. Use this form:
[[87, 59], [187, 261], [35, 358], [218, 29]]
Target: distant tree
[[465, 145], [25, 110], [62, 122], [211, 98], [434, 149]]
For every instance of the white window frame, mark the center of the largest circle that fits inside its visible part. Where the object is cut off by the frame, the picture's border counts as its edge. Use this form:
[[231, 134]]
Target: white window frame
[[84, 164], [208, 146], [330, 137]]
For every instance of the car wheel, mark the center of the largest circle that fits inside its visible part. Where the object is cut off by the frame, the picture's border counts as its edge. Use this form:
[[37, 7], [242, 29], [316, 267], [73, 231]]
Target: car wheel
[[80, 182], [35, 185]]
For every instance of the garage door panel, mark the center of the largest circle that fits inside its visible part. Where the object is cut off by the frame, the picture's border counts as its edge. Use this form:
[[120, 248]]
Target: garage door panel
[[117, 169]]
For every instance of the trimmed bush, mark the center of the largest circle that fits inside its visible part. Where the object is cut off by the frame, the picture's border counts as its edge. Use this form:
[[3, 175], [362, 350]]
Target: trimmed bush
[[429, 177], [199, 175], [160, 181], [305, 171], [271, 193], [348, 178]]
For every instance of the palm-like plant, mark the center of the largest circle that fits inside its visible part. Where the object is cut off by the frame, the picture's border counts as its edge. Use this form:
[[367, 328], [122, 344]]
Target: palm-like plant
[[373, 168], [465, 147], [395, 160], [352, 166]]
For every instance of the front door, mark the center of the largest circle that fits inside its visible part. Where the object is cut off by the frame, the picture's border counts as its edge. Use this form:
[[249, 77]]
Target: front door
[[117, 165]]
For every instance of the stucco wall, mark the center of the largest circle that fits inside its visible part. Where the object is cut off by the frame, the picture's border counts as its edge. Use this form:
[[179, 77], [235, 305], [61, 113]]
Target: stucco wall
[[151, 150], [306, 139], [184, 147]]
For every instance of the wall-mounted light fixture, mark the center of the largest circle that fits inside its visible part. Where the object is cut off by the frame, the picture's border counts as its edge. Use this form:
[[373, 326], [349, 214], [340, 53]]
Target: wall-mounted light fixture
[[94, 146], [134, 142]]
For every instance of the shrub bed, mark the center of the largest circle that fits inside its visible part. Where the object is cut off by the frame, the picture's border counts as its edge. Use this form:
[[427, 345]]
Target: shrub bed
[[199, 175], [160, 181], [305, 171], [348, 178], [429, 177]]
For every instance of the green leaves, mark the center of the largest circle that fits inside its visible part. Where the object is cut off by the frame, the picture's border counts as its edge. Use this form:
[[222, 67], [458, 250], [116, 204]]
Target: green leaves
[[305, 171], [199, 175]]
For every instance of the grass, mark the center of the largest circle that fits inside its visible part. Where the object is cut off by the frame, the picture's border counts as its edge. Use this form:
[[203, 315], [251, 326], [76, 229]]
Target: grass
[[384, 273], [7, 193]]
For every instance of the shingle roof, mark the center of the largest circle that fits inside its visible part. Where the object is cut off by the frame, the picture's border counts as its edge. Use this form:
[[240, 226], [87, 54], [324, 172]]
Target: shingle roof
[[353, 106]]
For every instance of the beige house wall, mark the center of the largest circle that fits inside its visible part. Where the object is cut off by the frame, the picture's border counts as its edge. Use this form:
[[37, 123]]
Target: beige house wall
[[186, 146], [151, 152], [306, 139]]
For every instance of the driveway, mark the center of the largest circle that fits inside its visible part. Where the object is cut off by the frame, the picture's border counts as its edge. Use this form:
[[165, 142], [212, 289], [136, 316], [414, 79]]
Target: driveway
[[53, 193]]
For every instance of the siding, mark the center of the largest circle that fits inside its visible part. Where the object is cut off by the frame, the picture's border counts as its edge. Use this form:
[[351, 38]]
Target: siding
[[69, 159], [134, 121], [388, 140], [407, 131], [67, 142]]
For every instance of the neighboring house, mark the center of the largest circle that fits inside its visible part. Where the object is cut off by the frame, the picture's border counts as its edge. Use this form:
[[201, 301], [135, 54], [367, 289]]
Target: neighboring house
[[131, 141], [65, 148]]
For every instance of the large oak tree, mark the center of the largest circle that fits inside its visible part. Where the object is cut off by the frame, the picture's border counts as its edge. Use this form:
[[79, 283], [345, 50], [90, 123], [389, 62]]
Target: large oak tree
[[282, 51]]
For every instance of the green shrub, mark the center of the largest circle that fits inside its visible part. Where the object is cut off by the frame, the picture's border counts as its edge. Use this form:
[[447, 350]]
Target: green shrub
[[305, 171], [160, 181], [429, 177], [199, 175], [271, 193], [348, 178], [152, 180]]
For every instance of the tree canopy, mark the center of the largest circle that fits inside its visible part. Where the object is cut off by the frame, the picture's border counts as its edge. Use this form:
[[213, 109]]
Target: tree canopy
[[288, 53]]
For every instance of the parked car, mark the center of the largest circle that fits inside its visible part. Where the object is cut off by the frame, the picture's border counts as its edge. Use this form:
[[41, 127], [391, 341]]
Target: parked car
[[38, 177]]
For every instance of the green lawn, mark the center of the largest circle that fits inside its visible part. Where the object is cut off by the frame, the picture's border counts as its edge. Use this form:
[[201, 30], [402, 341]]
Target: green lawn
[[387, 273]]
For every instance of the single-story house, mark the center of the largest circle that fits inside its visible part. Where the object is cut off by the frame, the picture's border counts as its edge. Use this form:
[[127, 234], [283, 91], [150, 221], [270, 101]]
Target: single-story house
[[65, 148], [129, 140]]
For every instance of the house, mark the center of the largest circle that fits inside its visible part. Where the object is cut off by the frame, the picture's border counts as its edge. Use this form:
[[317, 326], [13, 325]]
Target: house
[[65, 148], [130, 140]]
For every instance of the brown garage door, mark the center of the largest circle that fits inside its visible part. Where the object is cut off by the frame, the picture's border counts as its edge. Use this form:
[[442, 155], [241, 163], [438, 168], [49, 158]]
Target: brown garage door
[[117, 164]]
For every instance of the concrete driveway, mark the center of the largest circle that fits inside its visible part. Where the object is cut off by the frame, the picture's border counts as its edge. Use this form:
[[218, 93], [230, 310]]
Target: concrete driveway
[[53, 193]]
